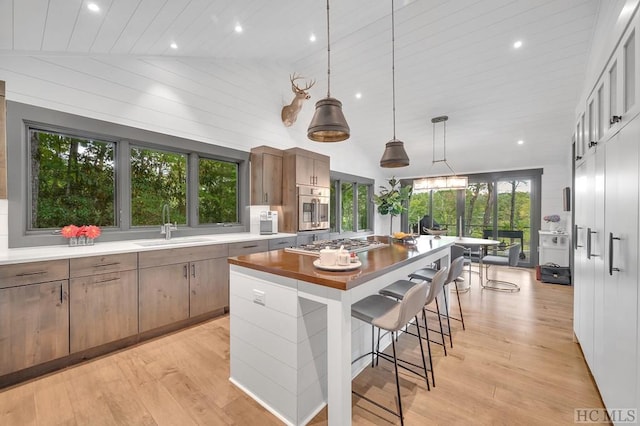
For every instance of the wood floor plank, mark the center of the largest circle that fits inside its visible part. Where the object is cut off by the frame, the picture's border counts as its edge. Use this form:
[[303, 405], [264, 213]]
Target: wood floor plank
[[516, 363]]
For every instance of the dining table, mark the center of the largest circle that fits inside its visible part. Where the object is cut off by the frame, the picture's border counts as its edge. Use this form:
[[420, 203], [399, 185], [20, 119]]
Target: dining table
[[480, 244]]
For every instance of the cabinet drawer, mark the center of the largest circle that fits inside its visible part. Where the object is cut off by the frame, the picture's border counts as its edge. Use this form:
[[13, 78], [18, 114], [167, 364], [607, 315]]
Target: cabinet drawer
[[148, 259], [280, 243], [248, 247], [87, 266], [33, 272]]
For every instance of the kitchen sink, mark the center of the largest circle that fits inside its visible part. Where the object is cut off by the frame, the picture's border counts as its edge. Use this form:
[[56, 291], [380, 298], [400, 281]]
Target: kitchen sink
[[174, 241]]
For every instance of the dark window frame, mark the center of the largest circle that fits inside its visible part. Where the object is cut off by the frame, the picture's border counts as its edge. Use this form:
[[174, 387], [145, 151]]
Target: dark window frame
[[337, 179], [22, 116]]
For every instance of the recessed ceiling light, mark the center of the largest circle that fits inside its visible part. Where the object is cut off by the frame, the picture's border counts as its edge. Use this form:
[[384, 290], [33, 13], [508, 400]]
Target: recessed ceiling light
[[238, 28], [173, 45], [358, 95], [520, 142], [93, 7], [312, 38], [517, 44]]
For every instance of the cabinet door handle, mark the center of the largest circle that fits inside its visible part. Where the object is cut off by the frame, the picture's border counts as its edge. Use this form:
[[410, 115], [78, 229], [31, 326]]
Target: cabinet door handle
[[193, 270], [107, 281], [61, 293], [575, 236], [592, 144], [101, 265], [589, 254], [185, 270], [611, 268], [266, 197], [26, 274], [255, 245], [578, 157], [615, 119]]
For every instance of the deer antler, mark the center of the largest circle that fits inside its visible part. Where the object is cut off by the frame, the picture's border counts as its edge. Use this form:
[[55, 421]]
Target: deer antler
[[295, 88]]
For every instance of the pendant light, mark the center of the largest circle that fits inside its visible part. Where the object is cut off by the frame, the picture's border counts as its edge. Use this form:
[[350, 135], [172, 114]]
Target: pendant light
[[328, 123], [441, 182], [394, 154]]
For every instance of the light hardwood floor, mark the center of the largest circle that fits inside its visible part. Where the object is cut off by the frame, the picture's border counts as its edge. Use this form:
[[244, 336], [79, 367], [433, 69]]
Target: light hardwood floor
[[516, 363]]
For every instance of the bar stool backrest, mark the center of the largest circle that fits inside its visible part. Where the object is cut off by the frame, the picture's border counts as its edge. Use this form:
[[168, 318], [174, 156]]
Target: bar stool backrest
[[407, 308], [455, 269], [437, 283]]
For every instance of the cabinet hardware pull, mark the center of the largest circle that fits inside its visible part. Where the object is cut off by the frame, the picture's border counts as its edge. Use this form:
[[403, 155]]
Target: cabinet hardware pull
[[578, 157], [589, 254], [592, 144], [615, 119], [100, 265], [255, 245], [186, 272], [193, 270], [266, 197], [611, 268], [26, 274], [107, 281], [575, 237], [60, 293]]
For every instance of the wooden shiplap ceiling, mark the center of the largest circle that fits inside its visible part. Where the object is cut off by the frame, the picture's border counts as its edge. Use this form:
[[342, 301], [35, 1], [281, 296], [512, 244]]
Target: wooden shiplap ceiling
[[453, 57]]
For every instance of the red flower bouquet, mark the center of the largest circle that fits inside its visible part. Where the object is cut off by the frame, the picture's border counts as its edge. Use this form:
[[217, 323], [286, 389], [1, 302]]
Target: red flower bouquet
[[81, 235]]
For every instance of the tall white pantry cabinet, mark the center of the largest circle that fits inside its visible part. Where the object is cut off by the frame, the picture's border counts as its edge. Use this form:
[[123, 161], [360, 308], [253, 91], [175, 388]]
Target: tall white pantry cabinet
[[607, 224]]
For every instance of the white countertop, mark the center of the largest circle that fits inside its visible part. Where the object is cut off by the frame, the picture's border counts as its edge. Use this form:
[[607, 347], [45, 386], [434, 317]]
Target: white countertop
[[35, 254]]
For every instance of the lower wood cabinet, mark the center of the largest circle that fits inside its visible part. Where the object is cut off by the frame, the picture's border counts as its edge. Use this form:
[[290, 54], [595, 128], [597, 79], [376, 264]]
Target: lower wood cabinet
[[209, 285], [34, 324], [164, 295], [103, 309]]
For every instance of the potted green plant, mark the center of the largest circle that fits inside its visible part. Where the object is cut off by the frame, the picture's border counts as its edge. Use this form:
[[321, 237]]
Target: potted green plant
[[391, 200]]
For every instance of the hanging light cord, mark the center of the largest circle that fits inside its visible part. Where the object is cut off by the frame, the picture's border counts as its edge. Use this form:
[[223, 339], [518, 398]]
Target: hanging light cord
[[444, 146], [328, 55], [393, 68]]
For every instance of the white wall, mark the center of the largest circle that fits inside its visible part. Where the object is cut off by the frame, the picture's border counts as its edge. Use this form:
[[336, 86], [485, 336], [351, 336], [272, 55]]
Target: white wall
[[227, 103]]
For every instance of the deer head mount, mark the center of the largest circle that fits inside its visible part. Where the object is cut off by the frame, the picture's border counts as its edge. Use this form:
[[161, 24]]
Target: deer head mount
[[290, 112]]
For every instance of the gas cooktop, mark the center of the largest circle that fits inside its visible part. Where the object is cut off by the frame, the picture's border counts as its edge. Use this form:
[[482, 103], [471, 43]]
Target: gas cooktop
[[351, 245]]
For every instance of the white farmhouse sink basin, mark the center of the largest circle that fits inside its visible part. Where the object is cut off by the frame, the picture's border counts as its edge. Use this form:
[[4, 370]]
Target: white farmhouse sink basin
[[174, 241]]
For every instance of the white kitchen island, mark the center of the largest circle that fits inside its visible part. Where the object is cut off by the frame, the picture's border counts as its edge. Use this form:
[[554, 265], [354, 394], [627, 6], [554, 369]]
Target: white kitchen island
[[292, 336]]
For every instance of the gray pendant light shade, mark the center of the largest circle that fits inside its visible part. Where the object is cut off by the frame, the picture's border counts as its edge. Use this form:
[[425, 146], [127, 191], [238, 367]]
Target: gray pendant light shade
[[394, 155], [328, 123]]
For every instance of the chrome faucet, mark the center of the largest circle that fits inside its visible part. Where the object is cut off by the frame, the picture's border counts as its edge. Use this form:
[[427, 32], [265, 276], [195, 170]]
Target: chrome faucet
[[167, 226]]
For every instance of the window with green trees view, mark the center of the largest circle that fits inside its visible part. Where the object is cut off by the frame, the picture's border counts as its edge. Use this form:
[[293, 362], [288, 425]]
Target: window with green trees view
[[158, 178], [217, 191], [350, 203], [72, 180]]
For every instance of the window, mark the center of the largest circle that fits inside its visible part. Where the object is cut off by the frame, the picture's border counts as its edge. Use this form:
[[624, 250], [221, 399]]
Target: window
[[72, 180], [158, 178], [88, 172], [503, 206], [217, 191], [351, 203]]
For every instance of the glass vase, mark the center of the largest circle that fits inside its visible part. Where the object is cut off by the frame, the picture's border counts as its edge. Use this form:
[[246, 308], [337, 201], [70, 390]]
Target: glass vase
[[73, 241]]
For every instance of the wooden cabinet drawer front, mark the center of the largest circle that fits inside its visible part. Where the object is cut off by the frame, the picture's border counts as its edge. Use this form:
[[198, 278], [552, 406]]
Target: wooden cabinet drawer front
[[280, 243], [33, 272], [86, 266], [148, 259], [248, 247]]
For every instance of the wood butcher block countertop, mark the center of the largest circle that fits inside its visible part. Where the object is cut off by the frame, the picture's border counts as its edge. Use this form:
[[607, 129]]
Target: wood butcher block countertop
[[375, 262]]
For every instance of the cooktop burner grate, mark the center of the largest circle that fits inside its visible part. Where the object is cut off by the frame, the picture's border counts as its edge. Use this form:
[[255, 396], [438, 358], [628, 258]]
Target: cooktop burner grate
[[351, 245]]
